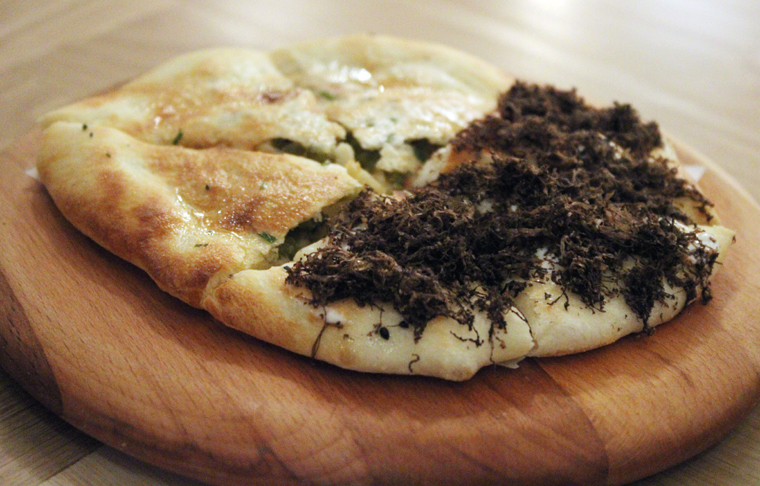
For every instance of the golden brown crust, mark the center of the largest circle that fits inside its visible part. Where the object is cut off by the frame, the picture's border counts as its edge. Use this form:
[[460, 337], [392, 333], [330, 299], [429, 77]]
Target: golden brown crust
[[227, 97], [386, 92], [182, 215]]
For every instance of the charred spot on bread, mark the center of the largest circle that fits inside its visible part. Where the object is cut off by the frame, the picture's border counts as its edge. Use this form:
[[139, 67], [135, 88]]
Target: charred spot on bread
[[570, 193]]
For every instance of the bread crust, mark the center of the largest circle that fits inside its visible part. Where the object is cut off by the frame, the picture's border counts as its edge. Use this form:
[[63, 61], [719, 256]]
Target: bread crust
[[562, 324], [260, 303], [184, 216], [179, 173]]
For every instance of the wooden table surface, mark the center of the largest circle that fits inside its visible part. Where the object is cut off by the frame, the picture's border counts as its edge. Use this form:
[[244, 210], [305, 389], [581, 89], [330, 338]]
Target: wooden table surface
[[692, 66]]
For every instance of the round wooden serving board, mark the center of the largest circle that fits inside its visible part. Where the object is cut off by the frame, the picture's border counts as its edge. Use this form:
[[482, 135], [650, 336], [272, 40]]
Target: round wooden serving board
[[94, 339]]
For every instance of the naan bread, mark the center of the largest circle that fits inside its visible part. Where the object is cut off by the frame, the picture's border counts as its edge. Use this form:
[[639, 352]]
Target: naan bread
[[368, 338], [213, 171], [326, 99], [182, 173], [187, 217]]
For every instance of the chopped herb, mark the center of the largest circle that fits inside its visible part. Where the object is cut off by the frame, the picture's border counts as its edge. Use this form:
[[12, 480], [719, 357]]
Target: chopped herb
[[208, 188], [327, 95], [200, 245], [108, 154], [178, 137], [263, 185], [267, 237], [84, 127]]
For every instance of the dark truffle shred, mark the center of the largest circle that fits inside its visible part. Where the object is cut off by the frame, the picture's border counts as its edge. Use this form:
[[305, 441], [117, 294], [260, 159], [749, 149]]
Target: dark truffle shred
[[555, 186]]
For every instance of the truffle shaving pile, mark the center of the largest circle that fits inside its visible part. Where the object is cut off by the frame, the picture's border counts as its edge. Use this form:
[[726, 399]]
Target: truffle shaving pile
[[555, 190]]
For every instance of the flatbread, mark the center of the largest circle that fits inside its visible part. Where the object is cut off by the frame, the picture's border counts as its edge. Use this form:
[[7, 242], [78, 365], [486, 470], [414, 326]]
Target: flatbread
[[215, 171], [362, 338], [386, 93], [560, 322], [187, 217]]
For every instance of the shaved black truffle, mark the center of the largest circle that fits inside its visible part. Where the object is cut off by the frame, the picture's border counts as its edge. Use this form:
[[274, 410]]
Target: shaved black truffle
[[563, 182]]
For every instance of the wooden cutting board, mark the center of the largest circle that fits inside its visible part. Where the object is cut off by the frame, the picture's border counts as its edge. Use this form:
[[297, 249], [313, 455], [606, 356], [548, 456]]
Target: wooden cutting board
[[93, 339]]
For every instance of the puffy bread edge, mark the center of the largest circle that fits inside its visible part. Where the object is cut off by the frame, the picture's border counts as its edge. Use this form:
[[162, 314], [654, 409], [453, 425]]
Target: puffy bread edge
[[259, 303], [560, 331]]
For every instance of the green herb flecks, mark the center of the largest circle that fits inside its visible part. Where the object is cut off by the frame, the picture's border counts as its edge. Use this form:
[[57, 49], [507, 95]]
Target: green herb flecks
[[327, 95], [267, 237]]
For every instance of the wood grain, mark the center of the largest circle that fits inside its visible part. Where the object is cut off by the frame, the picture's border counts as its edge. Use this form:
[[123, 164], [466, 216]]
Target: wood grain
[[692, 66], [94, 339]]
